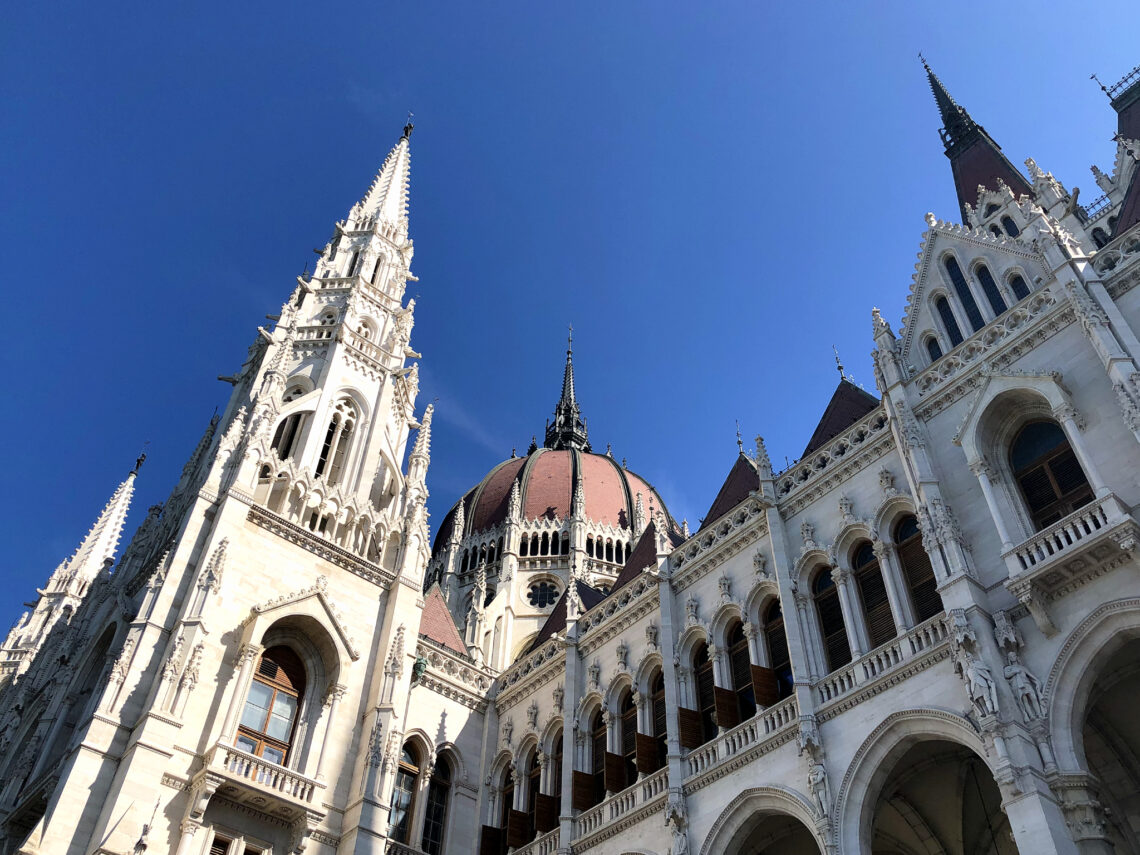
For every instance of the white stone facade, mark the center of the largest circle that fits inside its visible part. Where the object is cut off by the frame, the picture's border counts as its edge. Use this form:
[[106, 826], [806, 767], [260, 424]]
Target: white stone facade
[[888, 647]]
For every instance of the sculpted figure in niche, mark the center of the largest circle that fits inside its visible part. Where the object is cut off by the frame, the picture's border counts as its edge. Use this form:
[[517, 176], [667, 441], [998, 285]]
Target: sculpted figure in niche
[[979, 683], [1026, 688], [817, 783]]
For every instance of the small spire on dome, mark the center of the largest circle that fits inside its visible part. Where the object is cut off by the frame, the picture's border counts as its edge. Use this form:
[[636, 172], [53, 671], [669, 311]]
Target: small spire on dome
[[739, 438], [568, 430]]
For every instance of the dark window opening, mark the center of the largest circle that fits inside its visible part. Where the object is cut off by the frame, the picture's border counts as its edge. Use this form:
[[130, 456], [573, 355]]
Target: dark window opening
[[1048, 473], [942, 305], [965, 296], [826, 595]]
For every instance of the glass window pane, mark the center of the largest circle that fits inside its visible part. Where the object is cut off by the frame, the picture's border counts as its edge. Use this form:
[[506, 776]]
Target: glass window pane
[[245, 743], [256, 705], [281, 720], [273, 755]]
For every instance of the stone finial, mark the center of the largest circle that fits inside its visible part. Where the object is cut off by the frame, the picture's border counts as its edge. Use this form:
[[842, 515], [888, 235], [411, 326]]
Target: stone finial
[[763, 462]]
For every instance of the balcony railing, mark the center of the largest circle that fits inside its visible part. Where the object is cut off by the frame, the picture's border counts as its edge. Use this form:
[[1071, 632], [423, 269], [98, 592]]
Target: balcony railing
[[621, 804], [882, 660], [249, 778], [756, 730], [546, 844]]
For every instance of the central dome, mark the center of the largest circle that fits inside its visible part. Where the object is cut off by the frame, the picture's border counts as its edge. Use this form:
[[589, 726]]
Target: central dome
[[547, 479]]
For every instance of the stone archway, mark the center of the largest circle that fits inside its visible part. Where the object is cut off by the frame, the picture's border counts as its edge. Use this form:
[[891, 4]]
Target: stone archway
[[765, 821], [1110, 738], [773, 834], [939, 798]]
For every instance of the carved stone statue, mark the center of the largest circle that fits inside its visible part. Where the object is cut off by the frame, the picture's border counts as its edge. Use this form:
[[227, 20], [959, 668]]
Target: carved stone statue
[[979, 683], [817, 783], [1026, 688]]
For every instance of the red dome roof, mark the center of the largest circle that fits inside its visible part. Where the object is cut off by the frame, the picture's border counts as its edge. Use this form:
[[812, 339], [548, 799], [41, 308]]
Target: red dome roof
[[546, 480]]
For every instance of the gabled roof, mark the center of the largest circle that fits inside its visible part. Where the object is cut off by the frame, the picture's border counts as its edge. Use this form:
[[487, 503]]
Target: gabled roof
[[742, 479], [590, 597], [1130, 208], [436, 622], [848, 404]]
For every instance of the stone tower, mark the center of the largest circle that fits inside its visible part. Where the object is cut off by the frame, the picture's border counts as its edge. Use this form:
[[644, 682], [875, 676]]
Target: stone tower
[[244, 666]]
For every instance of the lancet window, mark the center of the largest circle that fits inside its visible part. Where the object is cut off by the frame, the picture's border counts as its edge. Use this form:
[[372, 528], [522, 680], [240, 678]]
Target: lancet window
[[949, 322], [269, 718], [741, 665], [778, 659], [628, 734], [965, 296], [435, 817], [917, 570], [338, 438], [404, 794], [1018, 286], [706, 691], [1048, 473], [837, 650], [873, 595], [990, 289], [288, 432]]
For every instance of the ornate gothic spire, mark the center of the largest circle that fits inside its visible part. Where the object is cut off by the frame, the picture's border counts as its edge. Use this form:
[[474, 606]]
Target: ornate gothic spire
[[568, 430], [387, 198], [976, 160], [103, 539]]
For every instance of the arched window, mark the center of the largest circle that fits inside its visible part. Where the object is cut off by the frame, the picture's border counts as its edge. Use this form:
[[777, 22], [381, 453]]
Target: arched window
[[629, 737], [741, 665], [1010, 226], [533, 782], [377, 270], [565, 543], [404, 794], [776, 639], [269, 718], [598, 756], [1018, 287], [706, 691], [524, 543], [942, 305], [657, 710], [590, 546], [873, 595], [337, 440], [506, 805], [544, 544], [962, 289], [917, 569], [1048, 473], [1100, 237], [609, 550], [990, 289], [995, 231], [533, 545], [435, 817], [556, 767], [285, 439], [933, 348], [350, 268], [992, 209], [826, 596]]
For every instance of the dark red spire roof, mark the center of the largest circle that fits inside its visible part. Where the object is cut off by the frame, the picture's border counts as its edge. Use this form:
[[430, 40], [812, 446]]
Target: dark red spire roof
[[1125, 97], [742, 479], [436, 622], [848, 404], [975, 158]]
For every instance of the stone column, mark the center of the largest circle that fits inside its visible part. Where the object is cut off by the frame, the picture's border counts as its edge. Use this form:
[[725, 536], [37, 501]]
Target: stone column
[[189, 830], [854, 628], [332, 698], [893, 578], [984, 474], [1067, 416], [246, 658]]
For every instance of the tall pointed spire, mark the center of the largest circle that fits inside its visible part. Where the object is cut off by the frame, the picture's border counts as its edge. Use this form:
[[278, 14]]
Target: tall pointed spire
[[976, 160], [568, 430], [99, 546], [387, 197]]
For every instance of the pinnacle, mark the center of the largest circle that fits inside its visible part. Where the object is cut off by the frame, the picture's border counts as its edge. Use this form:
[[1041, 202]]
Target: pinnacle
[[102, 539], [387, 197], [568, 429], [422, 448]]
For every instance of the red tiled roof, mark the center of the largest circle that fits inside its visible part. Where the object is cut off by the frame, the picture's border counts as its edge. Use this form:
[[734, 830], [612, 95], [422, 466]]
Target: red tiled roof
[[742, 479], [848, 404], [436, 622]]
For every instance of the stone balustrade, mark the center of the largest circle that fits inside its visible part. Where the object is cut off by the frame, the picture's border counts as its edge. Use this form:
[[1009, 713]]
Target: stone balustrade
[[545, 844], [622, 804], [766, 725], [882, 660], [259, 771]]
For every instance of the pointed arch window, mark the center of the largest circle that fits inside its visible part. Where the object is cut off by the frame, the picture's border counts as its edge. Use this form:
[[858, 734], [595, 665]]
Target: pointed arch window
[[917, 569], [741, 664], [404, 794], [777, 641], [873, 595], [965, 296], [506, 806], [1010, 226], [706, 691], [1018, 287], [949, 322], [556, 767], [338, 438], [1048, 473], [658, 713], [598, 756], [836, 648], [533, 782], [628, 733], [435, 817], [990, 289], [269, 718], [285, 439], [933, 348]]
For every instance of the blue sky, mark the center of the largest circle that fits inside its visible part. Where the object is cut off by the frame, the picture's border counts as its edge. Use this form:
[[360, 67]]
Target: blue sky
[[713, 194]]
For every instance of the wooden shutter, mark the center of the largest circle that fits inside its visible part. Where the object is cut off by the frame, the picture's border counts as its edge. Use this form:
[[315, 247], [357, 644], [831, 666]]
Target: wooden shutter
[[727, 709], [920, 579], [491, 841], [834, 631], [518, 829], [583, 796], [615, 772], [546, 809], [766, 685], [689, 725], [876, 606], [647, 760]]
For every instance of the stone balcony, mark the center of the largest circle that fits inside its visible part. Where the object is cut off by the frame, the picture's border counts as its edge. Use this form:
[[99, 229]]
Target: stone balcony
[[742, 744], [617, 811], [1087, 543], [254, 782], [544, 844]]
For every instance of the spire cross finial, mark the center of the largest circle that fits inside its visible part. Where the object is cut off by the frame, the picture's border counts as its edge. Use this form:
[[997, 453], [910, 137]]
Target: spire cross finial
[[838, 363], [570, 340], [408, 127], [922, 59], [739, 439], [1103, 88], [140, 459]]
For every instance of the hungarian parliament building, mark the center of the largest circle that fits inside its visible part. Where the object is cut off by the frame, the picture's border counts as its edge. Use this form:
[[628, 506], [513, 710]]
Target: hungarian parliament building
[[921, 638]]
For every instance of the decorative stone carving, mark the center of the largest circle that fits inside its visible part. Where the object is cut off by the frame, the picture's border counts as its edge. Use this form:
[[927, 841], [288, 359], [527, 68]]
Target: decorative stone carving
[[622, 653], [763, 463], [821, 792], [691, 606], [594, 673], [651, 645], [1026, 688], [807, 532], [724, 584], [887, 483], [376, 744], [508, 731], [677, 819], [847, 510], [979, 682], [212, 574], [558, 695], [760, 566], [532, 716]]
